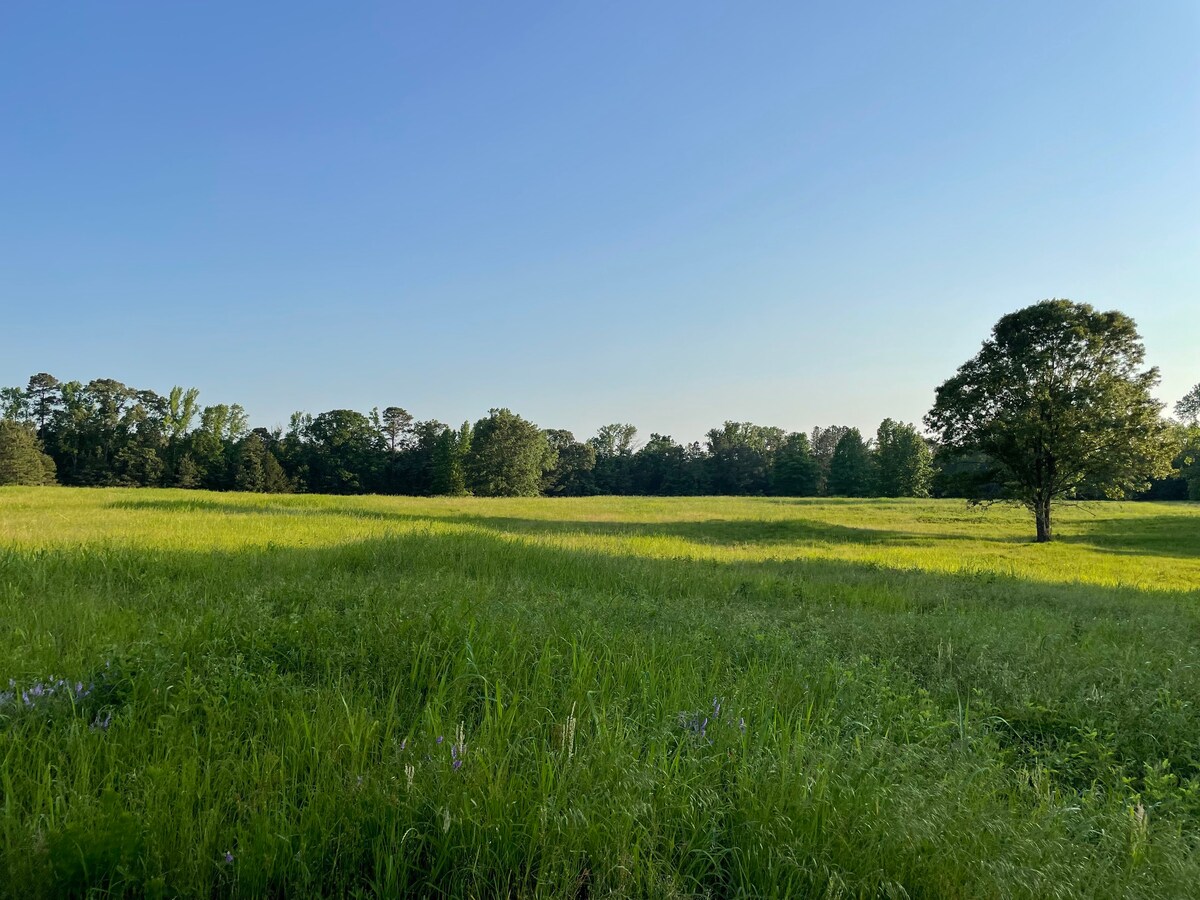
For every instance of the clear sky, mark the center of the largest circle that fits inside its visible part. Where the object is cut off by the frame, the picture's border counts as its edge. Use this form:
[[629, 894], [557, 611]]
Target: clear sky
[[664, 213]]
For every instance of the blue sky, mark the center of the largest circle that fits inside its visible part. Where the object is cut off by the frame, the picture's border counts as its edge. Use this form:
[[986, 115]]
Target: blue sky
[[664, 213]]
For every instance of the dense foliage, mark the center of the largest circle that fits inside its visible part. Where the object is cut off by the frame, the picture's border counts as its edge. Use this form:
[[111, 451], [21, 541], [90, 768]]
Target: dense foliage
[[1052, 406], [21, 459], [104, 433], [1057, 401]]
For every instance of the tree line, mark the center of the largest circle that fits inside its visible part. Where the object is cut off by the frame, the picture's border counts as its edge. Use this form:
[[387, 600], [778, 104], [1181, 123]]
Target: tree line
[[1054, 406], [105, 433]]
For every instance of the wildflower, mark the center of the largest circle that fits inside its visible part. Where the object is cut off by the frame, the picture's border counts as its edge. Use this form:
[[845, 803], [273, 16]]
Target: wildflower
[[440, 739], [229, 857], [404, 745], [742, 725]]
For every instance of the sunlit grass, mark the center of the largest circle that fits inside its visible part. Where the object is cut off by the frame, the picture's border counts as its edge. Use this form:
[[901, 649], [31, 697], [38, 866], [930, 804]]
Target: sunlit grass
[[659, 697]]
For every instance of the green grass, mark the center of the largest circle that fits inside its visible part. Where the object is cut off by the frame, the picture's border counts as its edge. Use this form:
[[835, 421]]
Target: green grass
[[915, 699]]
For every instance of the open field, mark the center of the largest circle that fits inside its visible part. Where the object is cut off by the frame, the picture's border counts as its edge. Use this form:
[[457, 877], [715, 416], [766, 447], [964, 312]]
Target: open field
[[595, 697]]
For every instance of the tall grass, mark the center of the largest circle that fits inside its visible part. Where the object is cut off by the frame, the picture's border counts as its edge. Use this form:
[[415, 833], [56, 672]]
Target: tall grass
[[700, 697]]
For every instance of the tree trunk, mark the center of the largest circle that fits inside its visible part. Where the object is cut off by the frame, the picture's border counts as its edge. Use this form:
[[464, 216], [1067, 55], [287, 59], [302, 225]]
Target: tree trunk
[[1041, 512]]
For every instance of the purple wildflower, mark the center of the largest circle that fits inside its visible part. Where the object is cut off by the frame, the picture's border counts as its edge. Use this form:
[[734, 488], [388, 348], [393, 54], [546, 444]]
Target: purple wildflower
[[229, 857], [440, 739]]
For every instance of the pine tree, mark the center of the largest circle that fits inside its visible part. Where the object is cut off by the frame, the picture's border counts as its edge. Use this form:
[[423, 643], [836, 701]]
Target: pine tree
[[21, 458], [275, 480], [249, 471]]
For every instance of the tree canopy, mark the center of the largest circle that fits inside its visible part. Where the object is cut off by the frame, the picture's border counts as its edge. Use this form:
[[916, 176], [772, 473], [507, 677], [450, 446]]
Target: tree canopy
[[851, 469], [509, 456], [903, 461], [1057, 376], [1188, 408], [1057, 400]]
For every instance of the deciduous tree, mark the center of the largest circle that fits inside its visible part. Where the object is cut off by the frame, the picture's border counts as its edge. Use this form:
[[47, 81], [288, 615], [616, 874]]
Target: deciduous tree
[[903, 461], [1188, 408], [449, 461], [508, 456], [796, 472], [575, 462], [851, 470], [1057, 398]]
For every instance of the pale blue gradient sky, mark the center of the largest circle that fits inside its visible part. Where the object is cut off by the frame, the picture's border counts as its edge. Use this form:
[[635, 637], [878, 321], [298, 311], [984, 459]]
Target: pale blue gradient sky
[[664, 213]]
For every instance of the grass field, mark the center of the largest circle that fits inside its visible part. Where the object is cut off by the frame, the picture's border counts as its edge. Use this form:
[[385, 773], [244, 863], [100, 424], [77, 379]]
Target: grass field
[[595, 697]]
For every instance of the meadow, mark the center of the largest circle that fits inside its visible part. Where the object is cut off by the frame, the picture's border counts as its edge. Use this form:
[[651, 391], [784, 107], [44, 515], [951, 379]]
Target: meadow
[[241, 695]]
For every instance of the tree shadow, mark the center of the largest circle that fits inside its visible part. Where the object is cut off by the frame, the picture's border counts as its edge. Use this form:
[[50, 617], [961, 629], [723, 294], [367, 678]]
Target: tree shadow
[[728, 532], [1024, 651], [713, 532], [1175, 536], [997, 624]]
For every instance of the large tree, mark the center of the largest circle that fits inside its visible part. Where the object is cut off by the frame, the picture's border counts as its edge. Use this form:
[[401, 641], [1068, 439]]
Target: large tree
[[903, 461], [345, 453], [851, 469], [614, 446], [740, 455], [508, 456], [572, 475], [1057, 399], [43, 393], [448, 468], [824, 442], [664, 467], [396, 425], [796, 472]]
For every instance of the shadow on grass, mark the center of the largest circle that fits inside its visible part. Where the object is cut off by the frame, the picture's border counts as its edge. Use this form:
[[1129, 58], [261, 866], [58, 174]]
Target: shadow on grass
[[719, 532], [1168, 536], [1176, 536], [1029, 650]]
